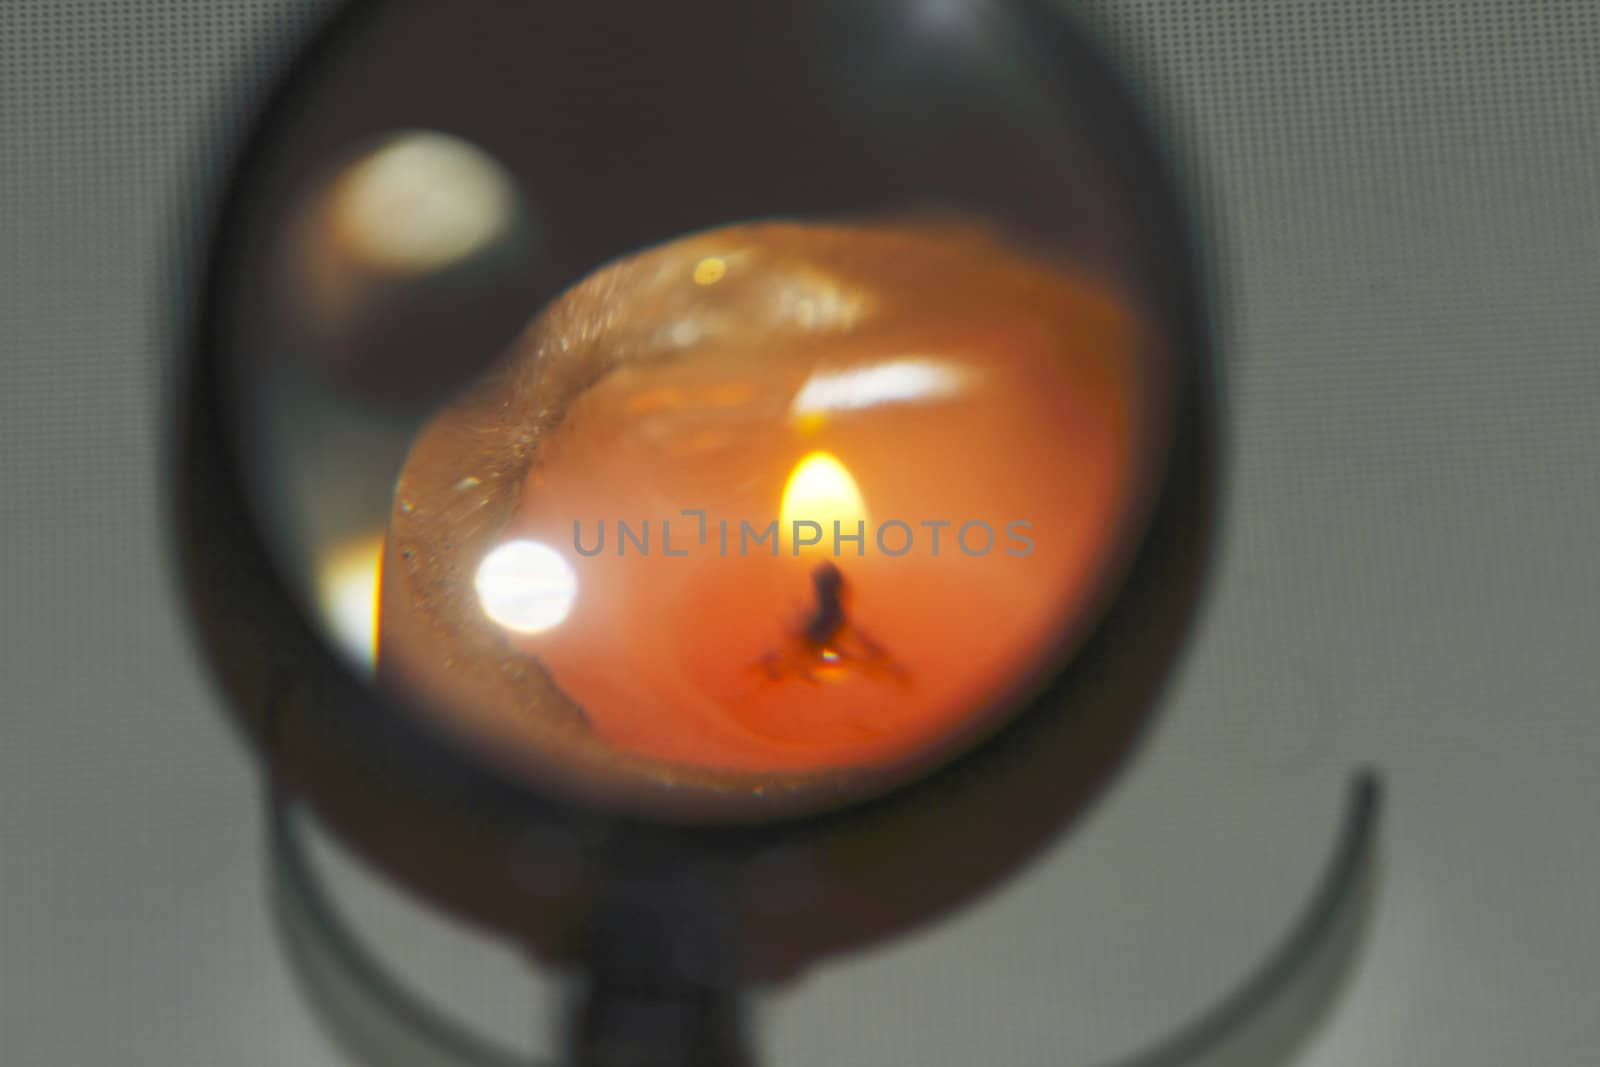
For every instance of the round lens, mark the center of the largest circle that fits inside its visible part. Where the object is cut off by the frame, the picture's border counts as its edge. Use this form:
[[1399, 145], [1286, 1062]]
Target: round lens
[[733, 408]]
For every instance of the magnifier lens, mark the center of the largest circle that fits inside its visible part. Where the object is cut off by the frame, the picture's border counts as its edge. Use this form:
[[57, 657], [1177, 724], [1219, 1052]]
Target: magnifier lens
[[679, 419]]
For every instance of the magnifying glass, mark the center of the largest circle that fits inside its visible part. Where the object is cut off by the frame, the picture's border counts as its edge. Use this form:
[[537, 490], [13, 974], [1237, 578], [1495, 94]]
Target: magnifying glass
[[700, 487]]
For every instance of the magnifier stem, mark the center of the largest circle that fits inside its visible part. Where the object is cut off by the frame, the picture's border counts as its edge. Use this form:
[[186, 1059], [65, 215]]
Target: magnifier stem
[[663, 963]]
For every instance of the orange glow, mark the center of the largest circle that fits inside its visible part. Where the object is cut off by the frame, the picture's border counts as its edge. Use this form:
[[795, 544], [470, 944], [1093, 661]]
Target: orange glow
[[971, 426]]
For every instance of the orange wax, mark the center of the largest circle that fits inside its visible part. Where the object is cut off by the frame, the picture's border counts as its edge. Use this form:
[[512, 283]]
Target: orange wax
[[915, 386]]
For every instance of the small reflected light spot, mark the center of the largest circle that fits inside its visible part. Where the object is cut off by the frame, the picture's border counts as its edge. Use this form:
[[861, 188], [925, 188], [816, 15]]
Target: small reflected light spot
[[709, 271], [422, 202], [347, 597], [526, 586], [896, 382]]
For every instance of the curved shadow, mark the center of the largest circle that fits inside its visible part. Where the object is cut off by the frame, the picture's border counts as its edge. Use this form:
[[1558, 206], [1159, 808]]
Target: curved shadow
[[369, 1013], [1267, 1018], [1262, 1022]]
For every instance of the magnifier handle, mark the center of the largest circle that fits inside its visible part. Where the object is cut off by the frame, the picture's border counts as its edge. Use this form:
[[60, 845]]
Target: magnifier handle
[[664, 965]]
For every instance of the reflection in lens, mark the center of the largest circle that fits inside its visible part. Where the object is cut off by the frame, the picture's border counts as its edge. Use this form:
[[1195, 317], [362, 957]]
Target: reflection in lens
[[396, 253], [526, 587], [347, 587], [419, 203]]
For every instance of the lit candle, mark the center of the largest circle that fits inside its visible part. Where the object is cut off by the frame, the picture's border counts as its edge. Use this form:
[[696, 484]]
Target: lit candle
[[775, 498]]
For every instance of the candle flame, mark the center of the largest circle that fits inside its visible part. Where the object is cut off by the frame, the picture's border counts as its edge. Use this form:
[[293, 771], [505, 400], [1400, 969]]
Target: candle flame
[[821, 490]]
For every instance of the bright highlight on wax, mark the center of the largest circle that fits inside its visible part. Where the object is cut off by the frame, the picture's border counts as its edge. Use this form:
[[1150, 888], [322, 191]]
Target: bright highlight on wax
[[897, 381], [526, 586]]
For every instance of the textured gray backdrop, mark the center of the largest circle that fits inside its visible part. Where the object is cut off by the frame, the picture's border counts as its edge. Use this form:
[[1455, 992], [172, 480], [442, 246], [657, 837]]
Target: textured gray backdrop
[[1407, 199]]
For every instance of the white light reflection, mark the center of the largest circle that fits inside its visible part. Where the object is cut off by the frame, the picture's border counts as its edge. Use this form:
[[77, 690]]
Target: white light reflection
[[895, 382], [710, 270], [526, 586], [347, 597], [423, 201], [817, 303]]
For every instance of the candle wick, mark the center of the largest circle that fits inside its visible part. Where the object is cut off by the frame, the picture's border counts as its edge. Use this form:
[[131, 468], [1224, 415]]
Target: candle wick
[[827, 581], [829, 642]]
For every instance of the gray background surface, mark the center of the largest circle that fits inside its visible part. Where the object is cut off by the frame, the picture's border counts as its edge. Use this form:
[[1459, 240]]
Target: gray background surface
[[1407, 200]]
